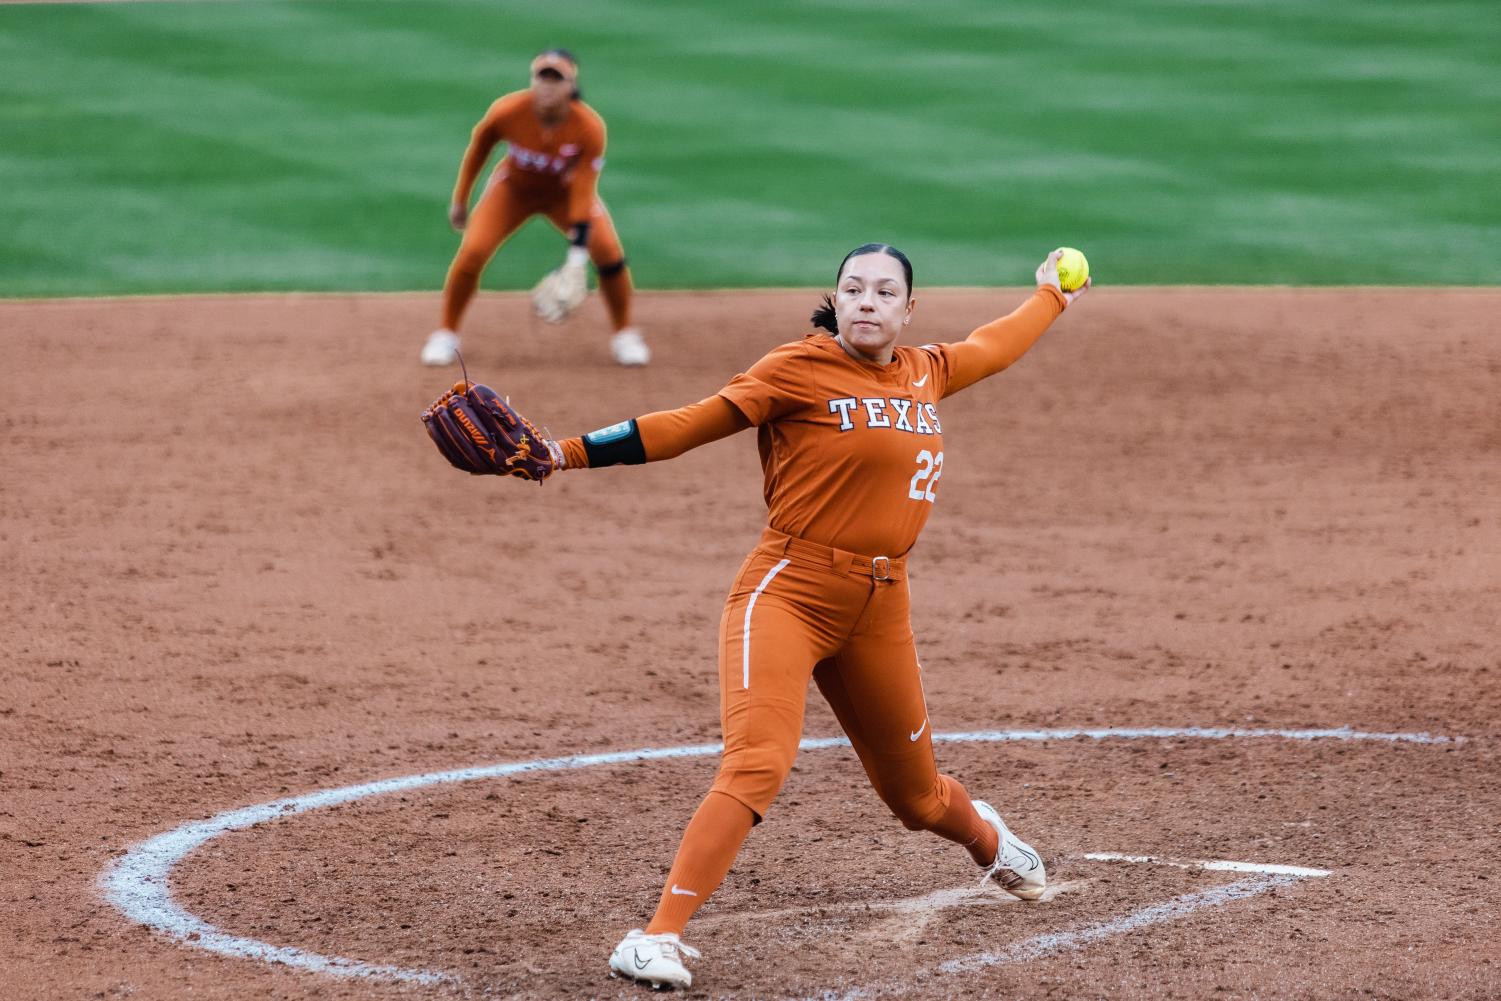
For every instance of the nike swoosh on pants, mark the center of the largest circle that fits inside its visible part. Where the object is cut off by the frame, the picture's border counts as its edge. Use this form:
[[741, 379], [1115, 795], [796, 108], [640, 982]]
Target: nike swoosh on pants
[[682, 893], [919, 731]]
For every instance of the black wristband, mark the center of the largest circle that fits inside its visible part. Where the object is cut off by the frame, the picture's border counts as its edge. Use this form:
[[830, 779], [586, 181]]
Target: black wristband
[[617, 445], [579, 235]]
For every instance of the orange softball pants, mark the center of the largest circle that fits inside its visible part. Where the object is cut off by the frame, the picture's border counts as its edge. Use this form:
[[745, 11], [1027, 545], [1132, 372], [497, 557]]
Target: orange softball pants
[[799, 610], [501, 211]]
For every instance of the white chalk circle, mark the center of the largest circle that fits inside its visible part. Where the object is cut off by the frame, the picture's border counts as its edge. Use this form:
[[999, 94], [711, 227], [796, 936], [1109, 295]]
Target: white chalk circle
[[137, 884]]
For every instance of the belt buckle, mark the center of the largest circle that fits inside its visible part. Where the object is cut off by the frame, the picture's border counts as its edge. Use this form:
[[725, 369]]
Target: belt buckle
[[880, 568]]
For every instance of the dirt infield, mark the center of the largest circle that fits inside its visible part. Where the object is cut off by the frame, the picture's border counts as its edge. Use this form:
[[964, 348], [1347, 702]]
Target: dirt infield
[[235, 570]]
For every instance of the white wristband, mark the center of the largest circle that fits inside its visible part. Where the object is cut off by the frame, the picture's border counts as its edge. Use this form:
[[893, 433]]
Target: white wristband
[[578, 256]]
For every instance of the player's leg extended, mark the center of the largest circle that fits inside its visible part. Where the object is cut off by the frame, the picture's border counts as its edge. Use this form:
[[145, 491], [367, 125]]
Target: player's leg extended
[[874, 686], [769, 642], [499, 214]]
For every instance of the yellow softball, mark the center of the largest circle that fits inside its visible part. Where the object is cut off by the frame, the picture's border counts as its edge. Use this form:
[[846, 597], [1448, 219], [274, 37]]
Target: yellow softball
[[1073, 269]]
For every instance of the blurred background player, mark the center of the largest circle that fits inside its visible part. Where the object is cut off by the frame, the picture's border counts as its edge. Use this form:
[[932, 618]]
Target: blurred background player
[[551, 168]]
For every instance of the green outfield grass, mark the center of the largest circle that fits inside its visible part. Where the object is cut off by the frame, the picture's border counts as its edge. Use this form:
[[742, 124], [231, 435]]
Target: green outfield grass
[[157, 147]]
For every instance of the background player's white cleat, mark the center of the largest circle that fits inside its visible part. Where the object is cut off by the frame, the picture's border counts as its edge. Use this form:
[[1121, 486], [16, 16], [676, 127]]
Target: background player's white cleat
[[628, 348], [657, 959], [442, 348], [1016, 867]]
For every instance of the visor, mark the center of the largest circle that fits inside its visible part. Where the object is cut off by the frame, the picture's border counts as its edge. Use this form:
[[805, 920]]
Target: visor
[[552, 61]]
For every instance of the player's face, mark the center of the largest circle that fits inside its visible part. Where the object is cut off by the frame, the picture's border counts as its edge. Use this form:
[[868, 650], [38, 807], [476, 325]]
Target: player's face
[[550, 90], [872, 304]]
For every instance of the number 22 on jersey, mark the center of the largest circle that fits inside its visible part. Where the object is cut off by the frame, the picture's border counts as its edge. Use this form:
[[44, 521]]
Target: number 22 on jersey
[[929, 468]]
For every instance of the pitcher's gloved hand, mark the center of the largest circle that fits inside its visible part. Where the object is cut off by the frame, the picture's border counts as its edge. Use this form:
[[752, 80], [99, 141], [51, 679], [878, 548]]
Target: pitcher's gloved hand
[[481, 433]]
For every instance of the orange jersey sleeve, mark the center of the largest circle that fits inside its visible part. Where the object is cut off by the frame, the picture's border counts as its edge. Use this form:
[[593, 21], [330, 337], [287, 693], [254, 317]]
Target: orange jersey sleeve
[[667, 434], [774, 387], [486, 135], [996, 345], [573, 453]]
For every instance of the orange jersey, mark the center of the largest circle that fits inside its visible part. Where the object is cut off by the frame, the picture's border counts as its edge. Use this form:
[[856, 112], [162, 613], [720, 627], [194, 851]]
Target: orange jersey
[[852, 451], [543, 161]]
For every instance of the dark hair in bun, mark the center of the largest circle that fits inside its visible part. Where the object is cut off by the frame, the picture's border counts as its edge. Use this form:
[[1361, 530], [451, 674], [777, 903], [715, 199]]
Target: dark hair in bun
[[823, 317]]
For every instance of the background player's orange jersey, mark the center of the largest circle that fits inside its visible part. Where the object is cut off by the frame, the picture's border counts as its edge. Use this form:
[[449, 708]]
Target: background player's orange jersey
[[543, 162]]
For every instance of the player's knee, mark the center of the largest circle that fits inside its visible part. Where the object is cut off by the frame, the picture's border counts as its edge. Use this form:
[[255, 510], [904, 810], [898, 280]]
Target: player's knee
[[470, 260], [754, 777], [917, 812], [607, 270]]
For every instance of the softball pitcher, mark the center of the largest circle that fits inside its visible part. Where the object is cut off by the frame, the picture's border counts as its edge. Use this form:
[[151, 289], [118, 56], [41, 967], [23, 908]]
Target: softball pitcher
[[852, 449], [556, 147]]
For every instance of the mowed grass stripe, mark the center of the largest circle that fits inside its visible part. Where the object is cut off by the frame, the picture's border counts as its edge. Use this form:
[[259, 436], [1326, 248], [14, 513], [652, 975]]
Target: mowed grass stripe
[[311, 145]]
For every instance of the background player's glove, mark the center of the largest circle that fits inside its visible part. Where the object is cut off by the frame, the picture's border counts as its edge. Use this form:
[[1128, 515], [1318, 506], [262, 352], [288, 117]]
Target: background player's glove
[[480, 433], [561, 290]]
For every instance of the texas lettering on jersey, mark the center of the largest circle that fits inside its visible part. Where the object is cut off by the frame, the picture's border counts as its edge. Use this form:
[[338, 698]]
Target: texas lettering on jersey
[[851, 451], [543, 163], [886, 412], [547, 163]]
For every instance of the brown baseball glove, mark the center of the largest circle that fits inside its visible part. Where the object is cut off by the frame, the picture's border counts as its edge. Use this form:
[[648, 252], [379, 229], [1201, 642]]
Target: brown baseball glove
[[480, 433]]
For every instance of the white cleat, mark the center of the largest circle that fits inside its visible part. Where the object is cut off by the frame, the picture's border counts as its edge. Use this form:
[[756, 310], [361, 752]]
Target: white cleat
[[628, 348], [656, 959], [1016, 867], [442, 348]]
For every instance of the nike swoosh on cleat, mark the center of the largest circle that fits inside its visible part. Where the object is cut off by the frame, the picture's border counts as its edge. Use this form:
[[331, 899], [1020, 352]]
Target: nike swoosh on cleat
[[920, 383], [636, 958], [682, 893], [919, 731]]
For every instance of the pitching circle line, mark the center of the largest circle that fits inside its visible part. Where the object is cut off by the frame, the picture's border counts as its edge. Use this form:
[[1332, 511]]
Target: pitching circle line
[[138, 883]]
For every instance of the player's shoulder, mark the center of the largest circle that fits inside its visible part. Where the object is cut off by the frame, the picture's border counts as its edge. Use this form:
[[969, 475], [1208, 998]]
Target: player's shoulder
[[918, 364], [788, 361], [923, 356], [790, 350], [508, 105], [587, 123], [816, 347], [920, 350], [587, 115]]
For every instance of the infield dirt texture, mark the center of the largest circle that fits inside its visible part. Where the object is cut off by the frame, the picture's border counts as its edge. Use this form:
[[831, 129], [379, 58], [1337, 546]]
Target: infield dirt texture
[[234, 570], [1213, 508]]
